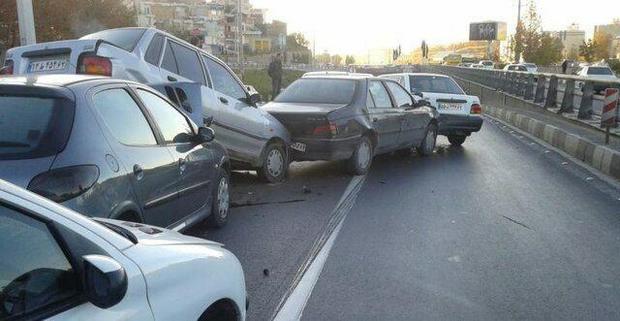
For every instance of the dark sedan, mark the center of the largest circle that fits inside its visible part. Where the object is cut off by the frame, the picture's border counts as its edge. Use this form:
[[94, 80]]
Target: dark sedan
[[353, 118]]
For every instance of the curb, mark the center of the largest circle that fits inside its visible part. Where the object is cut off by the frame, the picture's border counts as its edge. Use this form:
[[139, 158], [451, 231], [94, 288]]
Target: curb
[[600, 157]]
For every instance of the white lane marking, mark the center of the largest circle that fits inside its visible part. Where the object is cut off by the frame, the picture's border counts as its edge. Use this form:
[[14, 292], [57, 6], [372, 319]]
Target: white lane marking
[[294, 306]]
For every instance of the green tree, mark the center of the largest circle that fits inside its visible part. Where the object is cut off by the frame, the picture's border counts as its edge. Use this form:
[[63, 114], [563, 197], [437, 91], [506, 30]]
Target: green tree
[[587, 49], [549, 50], [336, 60], [603, 43], [296, 41], [66, 19], [349, 60]]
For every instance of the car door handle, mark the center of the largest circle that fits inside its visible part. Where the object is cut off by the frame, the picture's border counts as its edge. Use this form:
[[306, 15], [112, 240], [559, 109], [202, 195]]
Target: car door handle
[[170, 78], [182, 165], [374, 120], [224, 100], [138, 172]]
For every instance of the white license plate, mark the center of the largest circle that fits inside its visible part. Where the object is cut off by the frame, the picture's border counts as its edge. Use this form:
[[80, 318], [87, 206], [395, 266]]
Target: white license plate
[[299, 147], [450, 106], [47, 65]]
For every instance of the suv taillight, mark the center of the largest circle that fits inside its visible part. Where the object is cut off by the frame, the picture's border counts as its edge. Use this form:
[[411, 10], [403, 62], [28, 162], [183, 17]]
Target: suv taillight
[[63, 184], [8, 68], [475, 109], [95, 65]]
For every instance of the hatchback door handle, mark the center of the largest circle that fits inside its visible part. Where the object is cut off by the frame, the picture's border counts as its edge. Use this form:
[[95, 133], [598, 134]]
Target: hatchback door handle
[[224, 100], [374, 120], [138, 172], [182, 165], [170, 78]]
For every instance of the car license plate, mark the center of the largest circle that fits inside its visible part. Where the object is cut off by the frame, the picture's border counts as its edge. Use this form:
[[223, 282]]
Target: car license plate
[[299, 147], [450, 106], [47, 65]]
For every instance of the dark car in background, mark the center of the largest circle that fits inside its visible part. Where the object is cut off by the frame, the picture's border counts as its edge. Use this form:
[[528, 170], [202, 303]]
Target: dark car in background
[[352, 118], [111, 148]]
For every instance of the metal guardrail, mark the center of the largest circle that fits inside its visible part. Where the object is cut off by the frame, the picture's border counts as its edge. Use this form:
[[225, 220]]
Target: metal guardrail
[[545, 89]]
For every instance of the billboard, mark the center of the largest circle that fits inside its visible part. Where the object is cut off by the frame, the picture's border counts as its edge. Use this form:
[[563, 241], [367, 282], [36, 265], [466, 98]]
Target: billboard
[[489, 30]]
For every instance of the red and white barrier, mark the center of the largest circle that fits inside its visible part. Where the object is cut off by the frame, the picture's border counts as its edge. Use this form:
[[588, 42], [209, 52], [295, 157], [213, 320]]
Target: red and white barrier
[[608, 117]]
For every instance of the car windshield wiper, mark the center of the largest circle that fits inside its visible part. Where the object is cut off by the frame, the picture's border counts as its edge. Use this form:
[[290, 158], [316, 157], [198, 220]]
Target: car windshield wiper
[[121, 231], [13, 144]]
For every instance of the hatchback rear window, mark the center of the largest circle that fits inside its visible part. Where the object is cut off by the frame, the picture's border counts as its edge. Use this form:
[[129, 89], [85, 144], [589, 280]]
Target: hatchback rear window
[[435, 84], [599, 71], [32, 127], [126, 39], [331, 91]]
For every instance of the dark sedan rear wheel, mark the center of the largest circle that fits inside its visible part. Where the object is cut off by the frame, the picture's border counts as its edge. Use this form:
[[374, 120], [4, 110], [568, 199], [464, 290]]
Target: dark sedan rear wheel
[[275, 164], [427, 146], [221, 201], [360, 162], [456, 140]]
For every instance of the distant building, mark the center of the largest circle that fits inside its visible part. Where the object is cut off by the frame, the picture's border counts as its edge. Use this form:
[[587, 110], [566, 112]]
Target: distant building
[[572, 38], [612, 29]]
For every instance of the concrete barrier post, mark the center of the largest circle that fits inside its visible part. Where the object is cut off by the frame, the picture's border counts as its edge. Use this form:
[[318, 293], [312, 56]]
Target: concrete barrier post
[[552, 92], [505, 84], [585, 107], [540, 89], [529, 87], [569, 97]]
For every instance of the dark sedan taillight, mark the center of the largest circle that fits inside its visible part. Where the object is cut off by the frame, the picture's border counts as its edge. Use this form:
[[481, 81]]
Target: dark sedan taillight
[[63, 184], [8, 68], [325, 130]]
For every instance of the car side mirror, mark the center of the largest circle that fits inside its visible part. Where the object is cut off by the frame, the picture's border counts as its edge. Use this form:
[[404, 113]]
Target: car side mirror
[[105, 281], [205, 135], [254, 99]]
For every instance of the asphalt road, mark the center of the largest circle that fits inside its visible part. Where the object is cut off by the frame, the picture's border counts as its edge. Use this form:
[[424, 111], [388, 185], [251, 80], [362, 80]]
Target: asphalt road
[[501, 229]]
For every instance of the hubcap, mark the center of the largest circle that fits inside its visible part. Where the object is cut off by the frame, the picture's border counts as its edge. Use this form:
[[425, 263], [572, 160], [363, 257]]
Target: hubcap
[[363, 155], [275, 163], [223, 197]]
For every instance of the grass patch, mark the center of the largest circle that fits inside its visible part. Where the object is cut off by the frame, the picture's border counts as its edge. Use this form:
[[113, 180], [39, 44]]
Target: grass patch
[[259, 79]]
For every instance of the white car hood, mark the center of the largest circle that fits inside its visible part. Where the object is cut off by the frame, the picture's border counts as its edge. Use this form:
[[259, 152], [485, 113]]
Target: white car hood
[[152, 235], [469, 100]]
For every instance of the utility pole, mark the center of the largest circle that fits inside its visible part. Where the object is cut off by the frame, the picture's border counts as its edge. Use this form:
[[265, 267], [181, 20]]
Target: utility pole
[[518, 53], [25, 18], [239, 39]]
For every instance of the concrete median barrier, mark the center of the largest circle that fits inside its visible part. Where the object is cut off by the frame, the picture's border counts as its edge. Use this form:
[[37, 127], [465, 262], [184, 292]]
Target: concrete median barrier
[[598, 156]]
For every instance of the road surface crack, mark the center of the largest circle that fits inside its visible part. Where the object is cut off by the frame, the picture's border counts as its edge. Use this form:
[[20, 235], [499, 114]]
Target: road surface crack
[[517, 222]]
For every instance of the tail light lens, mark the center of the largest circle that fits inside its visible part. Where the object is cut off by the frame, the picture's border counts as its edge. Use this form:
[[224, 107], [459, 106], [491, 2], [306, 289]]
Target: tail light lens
[[325, 130], [95, 65], [476, 109], [63, 184], [8, 68]]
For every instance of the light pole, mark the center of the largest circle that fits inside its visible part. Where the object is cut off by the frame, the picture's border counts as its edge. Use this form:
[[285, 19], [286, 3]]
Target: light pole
[[517, 52], [239, 39], [25, 18]]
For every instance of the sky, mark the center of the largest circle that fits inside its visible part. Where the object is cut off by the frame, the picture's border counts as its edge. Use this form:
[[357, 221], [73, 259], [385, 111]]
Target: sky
[[356, 26]]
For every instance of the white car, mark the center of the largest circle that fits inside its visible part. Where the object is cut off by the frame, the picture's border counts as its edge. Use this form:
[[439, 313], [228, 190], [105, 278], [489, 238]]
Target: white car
[[477, 66], [600, 73], [515, 67], [488, 64], [531, 67], [252, 137], [56, 264], [459, 113]]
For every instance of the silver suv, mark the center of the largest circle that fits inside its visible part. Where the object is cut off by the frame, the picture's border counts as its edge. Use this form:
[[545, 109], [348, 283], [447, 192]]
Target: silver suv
[[253, 138]]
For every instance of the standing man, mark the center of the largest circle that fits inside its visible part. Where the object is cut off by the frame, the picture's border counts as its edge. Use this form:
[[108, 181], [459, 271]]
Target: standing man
[[564, 66], [275, 72]]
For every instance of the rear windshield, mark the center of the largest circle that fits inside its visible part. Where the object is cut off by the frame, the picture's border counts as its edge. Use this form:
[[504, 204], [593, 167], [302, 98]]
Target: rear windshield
[[599, 71], [319, 91], [434, 84], [32, 127], [126, 39]]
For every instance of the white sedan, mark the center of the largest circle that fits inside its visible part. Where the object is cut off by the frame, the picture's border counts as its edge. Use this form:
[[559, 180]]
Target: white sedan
[[459, 113], [56, 264]]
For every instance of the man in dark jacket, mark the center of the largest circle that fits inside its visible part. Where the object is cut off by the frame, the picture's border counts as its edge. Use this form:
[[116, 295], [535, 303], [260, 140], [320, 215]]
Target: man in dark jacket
[[275, 72], [564, 66]]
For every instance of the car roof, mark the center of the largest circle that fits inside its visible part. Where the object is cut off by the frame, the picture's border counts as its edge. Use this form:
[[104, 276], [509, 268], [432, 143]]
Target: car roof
[[424, 74], [339, 76], [50, 80]]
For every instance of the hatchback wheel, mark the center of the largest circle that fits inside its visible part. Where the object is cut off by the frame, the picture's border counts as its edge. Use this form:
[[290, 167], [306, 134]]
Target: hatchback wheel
[[275, 164], [456, 140], [428, 144], [359, 163], [221, 201]]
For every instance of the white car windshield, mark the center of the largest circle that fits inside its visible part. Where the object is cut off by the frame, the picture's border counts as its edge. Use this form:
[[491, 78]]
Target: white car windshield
[[602, 71]]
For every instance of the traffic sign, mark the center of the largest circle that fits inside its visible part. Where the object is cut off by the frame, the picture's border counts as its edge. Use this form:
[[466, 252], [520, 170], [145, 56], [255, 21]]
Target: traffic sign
[[608, 117]]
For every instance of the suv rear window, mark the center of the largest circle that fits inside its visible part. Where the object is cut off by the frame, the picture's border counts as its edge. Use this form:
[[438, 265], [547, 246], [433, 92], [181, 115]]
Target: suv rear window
[[599, 71], [32, 127], [332, 91], [126, 39]]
